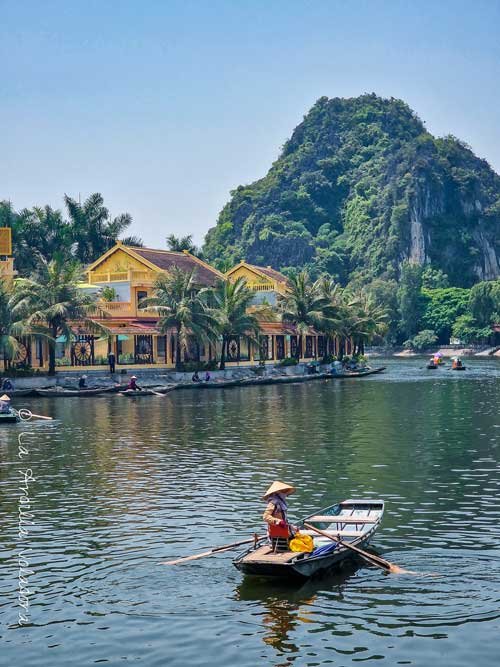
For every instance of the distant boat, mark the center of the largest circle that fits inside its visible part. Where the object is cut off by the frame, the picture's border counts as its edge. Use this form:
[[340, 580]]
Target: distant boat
[[62, 392], [355, 521]]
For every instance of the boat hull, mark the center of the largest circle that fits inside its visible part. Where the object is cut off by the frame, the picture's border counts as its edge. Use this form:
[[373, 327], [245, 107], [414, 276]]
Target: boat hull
[[358, 374], [8, 418], [60, 393]]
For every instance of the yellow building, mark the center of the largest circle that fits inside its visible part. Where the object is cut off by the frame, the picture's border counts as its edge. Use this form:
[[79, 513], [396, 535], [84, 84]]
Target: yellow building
[[124, 275], [7, 271]]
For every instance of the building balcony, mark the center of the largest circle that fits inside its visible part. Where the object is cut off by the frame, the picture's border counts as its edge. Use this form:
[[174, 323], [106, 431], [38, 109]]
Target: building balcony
[[131, 276], [124, 309]]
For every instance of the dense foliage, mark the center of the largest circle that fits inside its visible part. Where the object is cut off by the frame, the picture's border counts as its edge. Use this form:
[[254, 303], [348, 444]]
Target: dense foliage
[[42, 233], [360, 186]]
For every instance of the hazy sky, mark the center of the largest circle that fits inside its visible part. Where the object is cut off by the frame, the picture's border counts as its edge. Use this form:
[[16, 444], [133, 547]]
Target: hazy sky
[[165, 106]]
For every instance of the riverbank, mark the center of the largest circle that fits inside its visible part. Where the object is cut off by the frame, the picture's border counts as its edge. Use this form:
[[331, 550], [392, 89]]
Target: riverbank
[[445, 351], [163, 382]]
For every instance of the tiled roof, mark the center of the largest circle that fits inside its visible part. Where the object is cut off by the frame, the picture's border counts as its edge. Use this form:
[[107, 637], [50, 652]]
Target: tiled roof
[[166, 259], [270, 273]]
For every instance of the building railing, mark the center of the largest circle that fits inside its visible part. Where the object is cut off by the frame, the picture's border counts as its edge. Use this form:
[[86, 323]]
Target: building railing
[[131, 276], [261, 287], [143, 276], [123, 309], [117, 307]]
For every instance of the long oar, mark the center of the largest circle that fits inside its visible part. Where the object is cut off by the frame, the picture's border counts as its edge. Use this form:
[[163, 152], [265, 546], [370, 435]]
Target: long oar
[[370, 558], [213, 550], [24, 414]]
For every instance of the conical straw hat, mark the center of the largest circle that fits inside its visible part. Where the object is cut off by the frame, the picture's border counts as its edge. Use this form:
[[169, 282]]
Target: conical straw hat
[[278, 487], [4, 398]]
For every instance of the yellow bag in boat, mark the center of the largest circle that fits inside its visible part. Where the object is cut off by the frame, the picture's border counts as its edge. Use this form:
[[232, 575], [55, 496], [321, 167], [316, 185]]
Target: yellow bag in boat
[[301, 543]]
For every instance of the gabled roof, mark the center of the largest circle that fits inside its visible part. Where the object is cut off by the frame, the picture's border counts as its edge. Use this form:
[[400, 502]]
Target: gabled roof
[[263, 271], [164, 260]]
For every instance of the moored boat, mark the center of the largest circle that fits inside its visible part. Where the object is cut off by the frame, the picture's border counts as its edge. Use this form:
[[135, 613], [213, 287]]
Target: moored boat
[[354, 521], [358, 374], [20, 392], [60, 391]]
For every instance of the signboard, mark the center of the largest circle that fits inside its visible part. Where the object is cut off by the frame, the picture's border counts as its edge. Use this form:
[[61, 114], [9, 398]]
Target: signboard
[[5, 241]]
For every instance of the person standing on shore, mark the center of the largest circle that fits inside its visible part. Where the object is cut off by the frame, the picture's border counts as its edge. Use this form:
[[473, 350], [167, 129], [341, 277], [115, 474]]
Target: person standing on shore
[[111, 361], [276, 514]]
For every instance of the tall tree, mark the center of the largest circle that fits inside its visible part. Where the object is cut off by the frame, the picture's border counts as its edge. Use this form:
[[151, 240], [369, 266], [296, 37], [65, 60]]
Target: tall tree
[[362, 320], [230, 307], [92, 228], [180, 243], [409, 297], [308, 304], [51, 302], [9, 327], [183, 307]]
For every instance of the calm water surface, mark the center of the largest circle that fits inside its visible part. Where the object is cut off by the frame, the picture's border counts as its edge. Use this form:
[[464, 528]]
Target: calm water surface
[[124, 483]]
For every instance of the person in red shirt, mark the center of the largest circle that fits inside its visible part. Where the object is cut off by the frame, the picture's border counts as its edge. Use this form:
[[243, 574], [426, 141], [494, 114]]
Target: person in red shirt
[[275, 514]]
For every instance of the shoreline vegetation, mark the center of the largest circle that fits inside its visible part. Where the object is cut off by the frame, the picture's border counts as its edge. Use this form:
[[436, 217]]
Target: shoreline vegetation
[[334, 217]]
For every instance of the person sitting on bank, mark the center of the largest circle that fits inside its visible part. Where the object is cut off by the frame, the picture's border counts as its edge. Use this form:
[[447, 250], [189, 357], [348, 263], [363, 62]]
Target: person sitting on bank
[[207, 377], [82, 382], [4, 404], [196, 377], [132, 384], [275, 515]]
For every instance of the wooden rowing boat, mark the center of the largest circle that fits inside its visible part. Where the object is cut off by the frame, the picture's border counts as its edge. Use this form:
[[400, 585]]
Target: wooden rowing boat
[[59, 392], [8, 417], [131, 393], [358, 374], [354, 521], [18, 392]]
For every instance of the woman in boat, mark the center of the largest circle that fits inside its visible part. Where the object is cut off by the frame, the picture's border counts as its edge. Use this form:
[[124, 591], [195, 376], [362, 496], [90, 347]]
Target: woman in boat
[[4, 404], [133, 384], [275, 514]]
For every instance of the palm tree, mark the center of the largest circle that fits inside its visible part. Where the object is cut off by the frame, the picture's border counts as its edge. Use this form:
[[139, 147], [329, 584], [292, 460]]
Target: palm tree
[[9, 328], [180, 243], [183, 307], [230, 304], [93, 230], [50, 301], [362, 320], [307, 305]]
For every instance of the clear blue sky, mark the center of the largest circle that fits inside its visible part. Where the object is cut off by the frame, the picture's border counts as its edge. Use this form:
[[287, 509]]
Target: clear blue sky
[[165, 106]]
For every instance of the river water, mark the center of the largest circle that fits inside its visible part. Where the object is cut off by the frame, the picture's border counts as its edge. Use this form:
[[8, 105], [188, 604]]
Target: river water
[[121, 484]]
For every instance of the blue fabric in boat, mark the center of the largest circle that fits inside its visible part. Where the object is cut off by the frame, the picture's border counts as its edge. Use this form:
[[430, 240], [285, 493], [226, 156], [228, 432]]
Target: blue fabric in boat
[[324, 550]]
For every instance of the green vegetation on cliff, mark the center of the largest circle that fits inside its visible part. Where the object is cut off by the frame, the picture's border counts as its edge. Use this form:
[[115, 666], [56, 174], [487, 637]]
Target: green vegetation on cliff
[[358, 188]]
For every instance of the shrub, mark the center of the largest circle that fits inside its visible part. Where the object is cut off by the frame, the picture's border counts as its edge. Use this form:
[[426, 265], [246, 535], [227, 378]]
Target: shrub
[[288, 361], [421, 341]]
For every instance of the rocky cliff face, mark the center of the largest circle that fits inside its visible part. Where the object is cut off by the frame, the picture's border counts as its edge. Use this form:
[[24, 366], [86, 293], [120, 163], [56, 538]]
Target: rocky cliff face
[[359, 187]]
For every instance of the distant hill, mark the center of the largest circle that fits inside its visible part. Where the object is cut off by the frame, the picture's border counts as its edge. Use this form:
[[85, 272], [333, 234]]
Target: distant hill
[[359, 187]]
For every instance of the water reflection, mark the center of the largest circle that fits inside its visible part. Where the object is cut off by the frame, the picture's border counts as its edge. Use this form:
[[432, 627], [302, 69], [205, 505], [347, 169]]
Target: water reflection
[[122, 485], [288, 604]]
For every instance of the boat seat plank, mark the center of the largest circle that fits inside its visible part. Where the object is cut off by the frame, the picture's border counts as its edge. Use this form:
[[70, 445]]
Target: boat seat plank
[[266, 555], [325, 518], [334, 533]]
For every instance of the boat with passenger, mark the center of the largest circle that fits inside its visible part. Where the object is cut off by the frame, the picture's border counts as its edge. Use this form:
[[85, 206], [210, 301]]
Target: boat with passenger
[[351, 521], [456, 364]]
